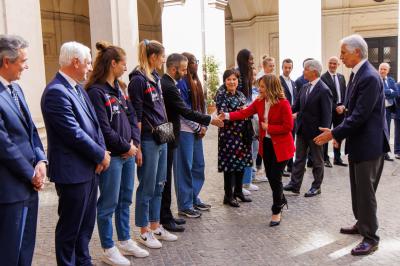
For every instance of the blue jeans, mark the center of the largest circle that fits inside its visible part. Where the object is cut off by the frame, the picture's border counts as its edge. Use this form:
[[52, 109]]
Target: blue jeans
[[188, 170], [152, 175], [116, 189], [248, 171]]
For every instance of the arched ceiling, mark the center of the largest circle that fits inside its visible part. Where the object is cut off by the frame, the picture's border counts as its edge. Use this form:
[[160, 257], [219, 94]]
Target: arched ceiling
[[244, 10]]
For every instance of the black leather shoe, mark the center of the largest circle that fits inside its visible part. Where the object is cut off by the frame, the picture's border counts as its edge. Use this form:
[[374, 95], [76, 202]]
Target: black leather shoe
[[179, 221], [312, 192], [353, 230], [364, 248], [173, 227], [274, 223], [387, 158], [290, 188], [340, 163], [328, 164], [243, 198], [231, 202]]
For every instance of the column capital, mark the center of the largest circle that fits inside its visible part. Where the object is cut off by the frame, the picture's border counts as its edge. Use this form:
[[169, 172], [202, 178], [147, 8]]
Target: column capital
[[165, 3], [218, 4]]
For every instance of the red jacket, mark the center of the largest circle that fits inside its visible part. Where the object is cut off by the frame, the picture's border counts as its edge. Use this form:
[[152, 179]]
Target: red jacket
[[280, 125]]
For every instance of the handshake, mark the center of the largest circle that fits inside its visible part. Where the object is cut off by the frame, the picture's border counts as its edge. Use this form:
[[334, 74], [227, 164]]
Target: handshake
[[218, 120]]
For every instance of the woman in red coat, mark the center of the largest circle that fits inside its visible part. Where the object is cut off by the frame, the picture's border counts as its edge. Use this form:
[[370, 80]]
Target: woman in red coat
[[275, 133]]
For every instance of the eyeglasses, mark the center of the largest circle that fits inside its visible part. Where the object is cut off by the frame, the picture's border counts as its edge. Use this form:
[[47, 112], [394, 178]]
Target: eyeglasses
[[195, 61]]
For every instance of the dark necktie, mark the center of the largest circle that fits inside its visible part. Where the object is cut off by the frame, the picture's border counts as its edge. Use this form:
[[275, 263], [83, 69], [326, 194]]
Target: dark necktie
[[80, 95], [14, 95], [349, 86], [308, 86]]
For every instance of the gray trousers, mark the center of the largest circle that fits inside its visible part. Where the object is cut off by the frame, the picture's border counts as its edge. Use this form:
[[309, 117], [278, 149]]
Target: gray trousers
[[302, 147], [364, 180]]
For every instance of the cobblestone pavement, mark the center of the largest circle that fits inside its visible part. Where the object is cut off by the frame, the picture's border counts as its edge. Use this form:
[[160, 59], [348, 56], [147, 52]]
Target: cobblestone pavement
[[308, 234]]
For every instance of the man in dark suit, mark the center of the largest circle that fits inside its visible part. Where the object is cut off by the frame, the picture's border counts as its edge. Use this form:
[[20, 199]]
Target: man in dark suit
[[290, 90], [76, 152], [337, 84], [391, 93], [313, 109], [300, 81], [365, 130], [22, 159], [176, 107]]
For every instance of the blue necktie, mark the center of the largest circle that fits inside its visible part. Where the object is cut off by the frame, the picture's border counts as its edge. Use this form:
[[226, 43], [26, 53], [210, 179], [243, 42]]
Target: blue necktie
[[14, 95], [77, 90]]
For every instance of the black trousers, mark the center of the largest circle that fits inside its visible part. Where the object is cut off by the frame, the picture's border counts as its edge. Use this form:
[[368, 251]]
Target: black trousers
[[77, 216], [274, 171], [165, 210], [18, 231], [233, 182], [364, 180]]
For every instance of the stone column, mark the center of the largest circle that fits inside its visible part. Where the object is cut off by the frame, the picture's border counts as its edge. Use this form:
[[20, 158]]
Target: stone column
[[25, 20], [299, 32], [116, 21]]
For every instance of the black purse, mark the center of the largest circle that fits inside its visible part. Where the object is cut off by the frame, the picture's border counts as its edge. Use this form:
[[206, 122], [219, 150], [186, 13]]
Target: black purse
[[163, 133]]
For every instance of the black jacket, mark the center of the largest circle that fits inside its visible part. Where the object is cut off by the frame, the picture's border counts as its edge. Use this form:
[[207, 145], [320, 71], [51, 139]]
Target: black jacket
[[176, 107], [287, 91], [116, 116], [313, 111]]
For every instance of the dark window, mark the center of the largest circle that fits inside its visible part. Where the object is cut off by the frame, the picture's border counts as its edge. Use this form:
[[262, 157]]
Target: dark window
[[383, 49]]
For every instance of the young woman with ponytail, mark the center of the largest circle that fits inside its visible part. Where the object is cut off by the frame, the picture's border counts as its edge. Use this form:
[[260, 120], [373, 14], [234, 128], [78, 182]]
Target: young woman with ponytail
[[118, 124], [146, 97]]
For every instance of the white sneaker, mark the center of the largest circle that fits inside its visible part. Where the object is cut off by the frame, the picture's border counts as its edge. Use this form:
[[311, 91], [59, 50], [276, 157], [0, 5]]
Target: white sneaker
[[259, 179], [162, 234], [129, 247], [113, 257], [149, 240], [251, 187], [246, 192]]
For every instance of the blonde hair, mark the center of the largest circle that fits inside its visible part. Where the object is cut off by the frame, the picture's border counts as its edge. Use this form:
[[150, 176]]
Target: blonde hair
[[266, 59], [273, 89], [146, 49]]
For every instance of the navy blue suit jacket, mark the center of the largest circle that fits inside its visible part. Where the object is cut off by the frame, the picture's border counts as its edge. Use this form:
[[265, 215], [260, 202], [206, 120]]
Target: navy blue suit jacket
[[20, 148], [287, 92], [364, 126], [313, 111], [75, 142]]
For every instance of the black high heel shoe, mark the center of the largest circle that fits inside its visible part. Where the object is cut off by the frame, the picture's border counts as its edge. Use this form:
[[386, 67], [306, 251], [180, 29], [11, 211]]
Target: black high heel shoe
[[276, 223], [231, 202], [243, 198]]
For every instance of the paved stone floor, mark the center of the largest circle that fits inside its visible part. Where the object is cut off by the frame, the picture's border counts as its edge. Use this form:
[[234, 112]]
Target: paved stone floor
[[308, 235]]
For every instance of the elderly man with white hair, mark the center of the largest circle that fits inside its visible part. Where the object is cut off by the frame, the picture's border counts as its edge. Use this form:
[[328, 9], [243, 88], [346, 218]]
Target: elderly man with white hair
[[337, 84], [367, 139], [76, 153], [391, 93], [314, 109]]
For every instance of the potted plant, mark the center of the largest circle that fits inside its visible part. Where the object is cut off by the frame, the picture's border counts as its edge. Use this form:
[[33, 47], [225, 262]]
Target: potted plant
[[210, 70]]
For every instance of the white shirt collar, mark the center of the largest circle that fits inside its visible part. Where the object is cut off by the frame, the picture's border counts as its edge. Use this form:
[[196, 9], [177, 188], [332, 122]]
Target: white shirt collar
[[332, 74], [358, 66], [314, 82], [171, 78], [286, 78], [70, 80], [4, 81]]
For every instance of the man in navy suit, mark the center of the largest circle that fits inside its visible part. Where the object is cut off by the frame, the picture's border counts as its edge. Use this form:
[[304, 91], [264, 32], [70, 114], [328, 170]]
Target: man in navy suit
[[76, 153], [365, 130], [22, 159], [337, 84], [313, 109], [290, 90], [391, 93]]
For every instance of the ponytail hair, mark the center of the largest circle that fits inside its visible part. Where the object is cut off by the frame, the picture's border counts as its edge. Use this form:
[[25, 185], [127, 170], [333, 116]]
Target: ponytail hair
[[106, 53], [146, 49]]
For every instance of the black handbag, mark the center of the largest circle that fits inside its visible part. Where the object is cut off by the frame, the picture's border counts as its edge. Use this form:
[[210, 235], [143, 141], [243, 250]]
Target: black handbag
[[163, 133]]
